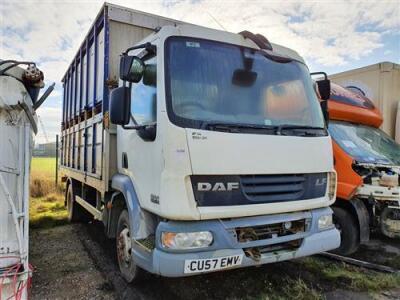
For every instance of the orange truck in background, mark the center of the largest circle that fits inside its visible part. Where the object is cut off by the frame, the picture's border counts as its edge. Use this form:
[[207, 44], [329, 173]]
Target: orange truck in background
[[367, 162]]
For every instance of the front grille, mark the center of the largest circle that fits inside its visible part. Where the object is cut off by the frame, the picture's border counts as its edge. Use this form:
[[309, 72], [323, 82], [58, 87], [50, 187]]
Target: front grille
[[263, 232], [228, 190], [277, 188]]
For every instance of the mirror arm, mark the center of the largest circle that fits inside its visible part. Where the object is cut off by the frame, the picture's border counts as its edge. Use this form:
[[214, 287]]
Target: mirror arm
[[134, 127], [319, 73], [138, 127], [148, 46]]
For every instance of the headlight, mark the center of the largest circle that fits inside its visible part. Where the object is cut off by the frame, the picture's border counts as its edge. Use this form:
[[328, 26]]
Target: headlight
[[186, 240], [332, 185], [325, 222]]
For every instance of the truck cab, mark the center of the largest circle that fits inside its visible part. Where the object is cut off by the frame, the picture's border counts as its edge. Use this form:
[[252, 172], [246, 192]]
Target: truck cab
[[367, 162], [200, 150]]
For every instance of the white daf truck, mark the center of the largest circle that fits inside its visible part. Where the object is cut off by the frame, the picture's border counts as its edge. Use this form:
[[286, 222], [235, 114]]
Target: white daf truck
[[212, 152], [20, 83]]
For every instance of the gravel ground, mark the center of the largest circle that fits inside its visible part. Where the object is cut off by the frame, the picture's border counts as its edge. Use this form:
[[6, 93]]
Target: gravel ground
[[62, 267]]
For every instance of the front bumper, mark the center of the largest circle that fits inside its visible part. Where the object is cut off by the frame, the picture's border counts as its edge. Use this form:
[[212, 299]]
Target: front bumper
[[171, 263]]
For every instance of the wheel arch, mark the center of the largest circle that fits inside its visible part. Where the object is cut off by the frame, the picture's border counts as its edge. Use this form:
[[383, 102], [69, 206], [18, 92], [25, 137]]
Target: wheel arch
[[125, 196]]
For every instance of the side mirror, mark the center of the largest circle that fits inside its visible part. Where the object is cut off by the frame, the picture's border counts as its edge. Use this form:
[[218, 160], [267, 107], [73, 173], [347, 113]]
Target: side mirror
[[131, 68], [324, 88], [120, 106], [323, 85]]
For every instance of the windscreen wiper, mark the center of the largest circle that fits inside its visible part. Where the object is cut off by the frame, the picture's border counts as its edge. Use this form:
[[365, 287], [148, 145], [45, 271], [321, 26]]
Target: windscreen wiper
[[236, 127], [283, 127]]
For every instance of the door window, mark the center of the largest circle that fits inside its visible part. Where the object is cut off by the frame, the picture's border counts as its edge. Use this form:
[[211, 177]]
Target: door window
[[143, 95]]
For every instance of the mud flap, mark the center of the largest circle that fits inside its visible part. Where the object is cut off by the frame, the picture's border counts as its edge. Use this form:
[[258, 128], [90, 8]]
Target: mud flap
[[363, 219]]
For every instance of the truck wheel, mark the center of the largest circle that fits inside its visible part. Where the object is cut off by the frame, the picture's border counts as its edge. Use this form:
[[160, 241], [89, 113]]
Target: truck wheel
[[76, 213], [129, 270], [349, 232]]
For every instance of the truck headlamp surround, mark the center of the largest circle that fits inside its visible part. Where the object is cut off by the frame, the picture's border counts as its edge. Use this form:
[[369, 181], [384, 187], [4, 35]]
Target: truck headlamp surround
[[332, 184], [325, 222], [186, 240]]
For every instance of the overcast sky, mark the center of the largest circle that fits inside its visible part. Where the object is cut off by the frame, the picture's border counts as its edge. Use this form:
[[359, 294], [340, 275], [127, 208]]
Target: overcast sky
[[332, 36]]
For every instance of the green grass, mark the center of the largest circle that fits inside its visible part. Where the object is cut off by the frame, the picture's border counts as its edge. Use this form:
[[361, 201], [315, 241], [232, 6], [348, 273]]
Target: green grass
[[358, 279], [43, 166], [47, 201]]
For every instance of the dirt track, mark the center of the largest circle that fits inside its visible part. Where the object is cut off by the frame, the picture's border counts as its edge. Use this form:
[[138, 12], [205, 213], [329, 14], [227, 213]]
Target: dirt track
[[63, 269], [77, 262]]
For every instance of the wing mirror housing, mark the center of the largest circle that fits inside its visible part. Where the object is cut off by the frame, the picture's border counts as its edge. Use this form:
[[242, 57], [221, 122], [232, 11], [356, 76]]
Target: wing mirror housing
[[324, 91], [120, 106], [131, 68], [323, 86]]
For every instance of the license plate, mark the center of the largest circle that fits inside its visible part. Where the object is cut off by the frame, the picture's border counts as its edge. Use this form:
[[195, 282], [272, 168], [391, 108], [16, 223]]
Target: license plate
[[212, 264]]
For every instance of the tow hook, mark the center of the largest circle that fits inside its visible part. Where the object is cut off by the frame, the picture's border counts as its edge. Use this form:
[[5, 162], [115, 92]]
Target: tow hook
[[253, 253], [248, 235]]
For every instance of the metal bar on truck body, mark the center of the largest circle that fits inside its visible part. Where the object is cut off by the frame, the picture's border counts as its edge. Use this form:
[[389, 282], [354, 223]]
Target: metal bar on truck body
[[91, 73], [71, 83], [80, 81], [83, 80], [94, 133], [76, 86], [87, 73], [63, 115], [95, 39], [73, 147], [89, 180], [67, 102], [73, 112], [86, 102], [91, 209], [106, 53], [95, 32], [73, 89]]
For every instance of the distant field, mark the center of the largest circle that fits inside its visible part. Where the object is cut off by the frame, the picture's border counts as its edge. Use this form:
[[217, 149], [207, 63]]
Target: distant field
[[47, 200], [43, 166]]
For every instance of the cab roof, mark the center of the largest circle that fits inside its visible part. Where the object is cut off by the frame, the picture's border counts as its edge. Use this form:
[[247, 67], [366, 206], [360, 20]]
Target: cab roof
[[350, 106]]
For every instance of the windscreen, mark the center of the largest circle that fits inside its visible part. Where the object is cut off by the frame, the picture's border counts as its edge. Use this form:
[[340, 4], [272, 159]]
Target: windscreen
[[365, 144], [209, 81]]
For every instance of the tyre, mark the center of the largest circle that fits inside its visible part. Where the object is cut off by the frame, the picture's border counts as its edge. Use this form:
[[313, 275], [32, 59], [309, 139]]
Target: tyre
[[349, 231], [76, 213], [129, 270]]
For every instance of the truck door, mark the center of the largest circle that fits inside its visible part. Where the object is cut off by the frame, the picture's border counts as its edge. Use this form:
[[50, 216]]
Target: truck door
[[140, 150]]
